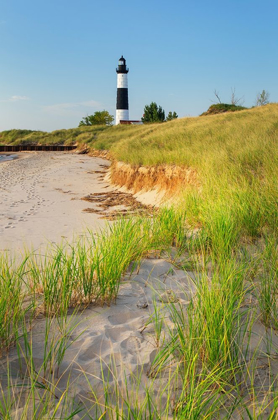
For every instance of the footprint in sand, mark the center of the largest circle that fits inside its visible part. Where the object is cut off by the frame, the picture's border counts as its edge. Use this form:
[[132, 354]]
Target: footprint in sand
[[113, 333], [132, 344], [97, 347], [125, 317]]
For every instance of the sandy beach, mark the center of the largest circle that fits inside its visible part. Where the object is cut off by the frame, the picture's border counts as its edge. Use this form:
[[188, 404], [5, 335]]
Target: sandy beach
[[40, 196], [40, 204]]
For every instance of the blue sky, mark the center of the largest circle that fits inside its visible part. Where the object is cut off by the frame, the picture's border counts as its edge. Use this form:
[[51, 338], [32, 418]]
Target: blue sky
[[58, 58]]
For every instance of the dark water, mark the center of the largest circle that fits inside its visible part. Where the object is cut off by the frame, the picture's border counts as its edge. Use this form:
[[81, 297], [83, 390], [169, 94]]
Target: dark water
[[6, 157]]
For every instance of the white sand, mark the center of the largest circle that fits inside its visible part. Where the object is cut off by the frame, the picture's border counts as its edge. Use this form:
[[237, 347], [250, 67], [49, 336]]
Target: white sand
[[40, 198]]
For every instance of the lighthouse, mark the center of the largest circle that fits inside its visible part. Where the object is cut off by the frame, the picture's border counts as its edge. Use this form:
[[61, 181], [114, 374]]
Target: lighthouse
[[122, 92]]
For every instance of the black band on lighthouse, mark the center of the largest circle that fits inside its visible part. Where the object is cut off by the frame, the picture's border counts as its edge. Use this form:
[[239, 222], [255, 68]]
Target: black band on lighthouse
[[122, 98]]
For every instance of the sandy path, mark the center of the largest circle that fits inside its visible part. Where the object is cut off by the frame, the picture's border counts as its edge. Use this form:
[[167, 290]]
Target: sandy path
[[40, 198]]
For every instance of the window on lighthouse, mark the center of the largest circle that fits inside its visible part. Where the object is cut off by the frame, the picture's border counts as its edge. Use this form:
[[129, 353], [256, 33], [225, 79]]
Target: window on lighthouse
[[121, 63]]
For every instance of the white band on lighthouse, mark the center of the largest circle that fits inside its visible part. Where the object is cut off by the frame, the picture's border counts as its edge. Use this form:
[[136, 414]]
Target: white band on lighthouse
[[122, 80], [121, 114]]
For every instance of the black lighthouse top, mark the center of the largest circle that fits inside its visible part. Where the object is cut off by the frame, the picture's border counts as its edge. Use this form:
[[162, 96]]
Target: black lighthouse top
[[122, 66]]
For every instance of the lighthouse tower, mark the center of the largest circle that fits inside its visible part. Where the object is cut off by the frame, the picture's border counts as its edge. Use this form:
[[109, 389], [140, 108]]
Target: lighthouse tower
[[122, 92]]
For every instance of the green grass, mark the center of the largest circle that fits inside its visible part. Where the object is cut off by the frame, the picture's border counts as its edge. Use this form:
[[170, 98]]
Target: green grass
[[12, 294], [58, 137], [208, 330], [266, 284], [76, 275]]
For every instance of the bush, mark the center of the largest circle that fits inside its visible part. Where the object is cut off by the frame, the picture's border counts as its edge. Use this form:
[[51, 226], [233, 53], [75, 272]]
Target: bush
[[221, 108]]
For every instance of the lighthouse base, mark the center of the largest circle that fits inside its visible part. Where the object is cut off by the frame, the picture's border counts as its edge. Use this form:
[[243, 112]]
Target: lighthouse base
[[121, 114]]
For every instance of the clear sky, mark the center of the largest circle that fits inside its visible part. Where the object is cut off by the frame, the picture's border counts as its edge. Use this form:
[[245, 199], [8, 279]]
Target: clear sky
[[58, 57]]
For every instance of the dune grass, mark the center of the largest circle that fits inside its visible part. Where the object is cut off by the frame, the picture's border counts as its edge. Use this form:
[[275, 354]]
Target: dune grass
[[87, 271], [11, 297], [236, 159], [57, 137]]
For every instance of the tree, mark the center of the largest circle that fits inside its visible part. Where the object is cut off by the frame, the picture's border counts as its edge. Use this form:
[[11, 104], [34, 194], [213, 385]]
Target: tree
[[235, 100], [153, 113], [171, 116], [216, 93], [262, 98], [98, 118]]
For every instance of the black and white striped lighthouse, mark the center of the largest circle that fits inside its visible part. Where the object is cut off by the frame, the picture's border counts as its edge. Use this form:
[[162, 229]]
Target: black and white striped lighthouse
[[122, 92]]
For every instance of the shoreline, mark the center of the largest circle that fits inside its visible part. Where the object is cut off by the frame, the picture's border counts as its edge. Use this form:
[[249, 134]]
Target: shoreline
[[8, 156]]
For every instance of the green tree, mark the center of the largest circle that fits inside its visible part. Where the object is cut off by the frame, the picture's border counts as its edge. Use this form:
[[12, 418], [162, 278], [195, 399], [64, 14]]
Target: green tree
[[171, 116], [98, 118], [262, 98], [153, 113]]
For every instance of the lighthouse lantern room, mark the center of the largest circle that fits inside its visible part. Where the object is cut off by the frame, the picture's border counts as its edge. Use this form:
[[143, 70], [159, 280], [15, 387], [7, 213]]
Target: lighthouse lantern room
[[122, 112]]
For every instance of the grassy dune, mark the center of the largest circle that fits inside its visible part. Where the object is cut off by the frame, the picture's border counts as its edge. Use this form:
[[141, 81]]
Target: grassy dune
[[235, 156], [224, 230], [174, 142], [212, 140], [236, 159], [58, 137]]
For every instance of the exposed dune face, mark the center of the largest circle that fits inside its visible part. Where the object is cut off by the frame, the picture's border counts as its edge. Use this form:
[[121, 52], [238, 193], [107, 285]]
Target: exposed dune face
[[153, 184]]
